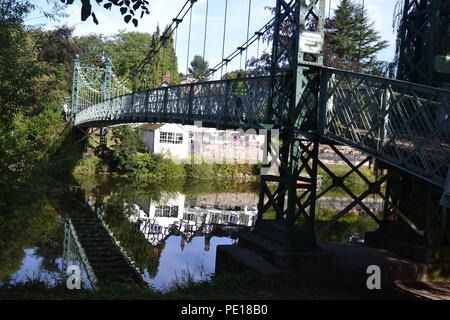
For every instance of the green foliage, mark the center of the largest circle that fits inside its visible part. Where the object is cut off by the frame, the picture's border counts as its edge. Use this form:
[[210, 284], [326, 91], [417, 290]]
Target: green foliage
[[128, 142], [232, 170], [353, 39], [347, 226], [199, 68], [55, 52], [128, 9], [201, 171], [127, 50], [20, 71], [90, 164], [155, 168], [351, 42], [354, 182], [27, 141], [233, 74], [131, 239]]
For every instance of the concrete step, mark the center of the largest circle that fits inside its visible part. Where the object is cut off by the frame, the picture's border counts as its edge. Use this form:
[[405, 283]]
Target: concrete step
[[232, 258], [283, 258]]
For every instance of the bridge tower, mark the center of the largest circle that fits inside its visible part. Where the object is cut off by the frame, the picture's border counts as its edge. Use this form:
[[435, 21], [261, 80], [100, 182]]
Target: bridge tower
[[76, 86], [297, 55], [423, 58], [424, 43]]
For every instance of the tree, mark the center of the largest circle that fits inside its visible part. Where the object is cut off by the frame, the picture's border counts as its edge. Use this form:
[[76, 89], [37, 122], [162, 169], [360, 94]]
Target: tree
[[199, 68], [19, 72], [128, 142], [93, 48], [128, 8], [233, 74], [352, 38], [55, 52], [351, 43], [127, 50]]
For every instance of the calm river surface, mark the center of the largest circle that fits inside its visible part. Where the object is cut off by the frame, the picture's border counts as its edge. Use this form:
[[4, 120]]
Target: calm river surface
[[166, 233]]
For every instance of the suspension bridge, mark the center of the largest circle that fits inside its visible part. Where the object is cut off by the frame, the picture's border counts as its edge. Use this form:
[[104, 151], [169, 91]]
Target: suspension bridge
[[403, 123]]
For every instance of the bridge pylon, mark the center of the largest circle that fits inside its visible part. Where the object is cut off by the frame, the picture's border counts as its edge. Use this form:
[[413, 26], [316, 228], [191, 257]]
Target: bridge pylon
[[413, 211], [297, 55]]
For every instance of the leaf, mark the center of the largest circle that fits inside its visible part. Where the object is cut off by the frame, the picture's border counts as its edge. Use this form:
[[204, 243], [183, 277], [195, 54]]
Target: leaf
[[107, 5], [86, 9], [135, 22], [99, 1], [94, 18], [136, 6], [127, 18], [142, 14], [70, 1], [123, 10]]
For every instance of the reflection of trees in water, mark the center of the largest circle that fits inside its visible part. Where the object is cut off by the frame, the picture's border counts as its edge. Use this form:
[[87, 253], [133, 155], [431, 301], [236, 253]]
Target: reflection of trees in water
[[106, 185], [29, 225], [346, 227], [134, 242]]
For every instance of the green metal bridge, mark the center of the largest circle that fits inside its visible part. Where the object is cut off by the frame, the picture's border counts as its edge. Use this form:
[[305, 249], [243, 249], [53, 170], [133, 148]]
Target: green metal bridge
[[404, 125]]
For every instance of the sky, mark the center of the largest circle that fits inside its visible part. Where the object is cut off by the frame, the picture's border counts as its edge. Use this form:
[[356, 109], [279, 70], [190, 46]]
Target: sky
[[163, 11]]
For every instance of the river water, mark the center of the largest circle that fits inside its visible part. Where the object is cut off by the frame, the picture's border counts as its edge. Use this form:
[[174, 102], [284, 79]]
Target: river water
[[169, 234]]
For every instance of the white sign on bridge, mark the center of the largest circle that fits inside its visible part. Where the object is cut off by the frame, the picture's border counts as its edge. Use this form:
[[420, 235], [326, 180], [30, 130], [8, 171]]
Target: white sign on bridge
[[311, 42]]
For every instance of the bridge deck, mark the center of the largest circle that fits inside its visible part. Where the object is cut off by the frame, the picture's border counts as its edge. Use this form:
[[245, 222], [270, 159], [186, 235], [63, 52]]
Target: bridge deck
[[403, 124]]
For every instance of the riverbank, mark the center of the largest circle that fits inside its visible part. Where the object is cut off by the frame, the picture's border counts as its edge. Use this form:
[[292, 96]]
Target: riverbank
[[247, 286]]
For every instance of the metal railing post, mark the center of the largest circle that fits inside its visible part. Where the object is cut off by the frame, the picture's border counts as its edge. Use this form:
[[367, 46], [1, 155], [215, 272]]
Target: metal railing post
[[191, 98]]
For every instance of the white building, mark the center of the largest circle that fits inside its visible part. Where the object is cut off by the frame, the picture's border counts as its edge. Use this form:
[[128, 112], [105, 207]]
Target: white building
[[168, 139], [181, 141], [169, 216]]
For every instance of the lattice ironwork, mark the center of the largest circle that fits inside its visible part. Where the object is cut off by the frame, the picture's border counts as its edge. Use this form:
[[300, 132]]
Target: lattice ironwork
[[424, 34], [402, 124], [73, 253], [215, 103]]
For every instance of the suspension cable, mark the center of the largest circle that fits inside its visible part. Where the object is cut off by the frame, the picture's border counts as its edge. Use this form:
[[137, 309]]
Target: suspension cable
[[206, 29], [248, 31], [255, 37], [153, 52], [189, 44], [224, 36]]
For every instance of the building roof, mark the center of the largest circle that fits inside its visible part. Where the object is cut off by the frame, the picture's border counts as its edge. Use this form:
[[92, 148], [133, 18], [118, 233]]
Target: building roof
[[150, 126], [188, 80]]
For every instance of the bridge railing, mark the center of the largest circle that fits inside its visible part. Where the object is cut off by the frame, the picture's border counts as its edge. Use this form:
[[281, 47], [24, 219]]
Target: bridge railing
[[227, 103], [404, 124]]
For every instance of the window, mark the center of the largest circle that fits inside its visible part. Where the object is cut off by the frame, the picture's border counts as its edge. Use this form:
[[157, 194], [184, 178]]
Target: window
[[166, 211], [171, 138], [189, 216], [155, 228]]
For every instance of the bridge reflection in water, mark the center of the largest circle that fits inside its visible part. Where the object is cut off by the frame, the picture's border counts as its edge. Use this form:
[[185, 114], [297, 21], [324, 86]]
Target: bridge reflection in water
[[176, 233], [90, 243]]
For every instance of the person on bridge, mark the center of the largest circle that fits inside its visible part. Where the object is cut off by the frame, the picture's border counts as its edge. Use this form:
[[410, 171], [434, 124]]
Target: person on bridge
[[239, 92]]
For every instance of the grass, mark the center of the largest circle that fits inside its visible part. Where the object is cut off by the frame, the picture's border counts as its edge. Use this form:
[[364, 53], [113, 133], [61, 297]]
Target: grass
[[243, 286]]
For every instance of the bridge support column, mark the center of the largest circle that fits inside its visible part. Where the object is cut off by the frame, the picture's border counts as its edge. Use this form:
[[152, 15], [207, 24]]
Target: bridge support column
[[290, 195], [293, 104]]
